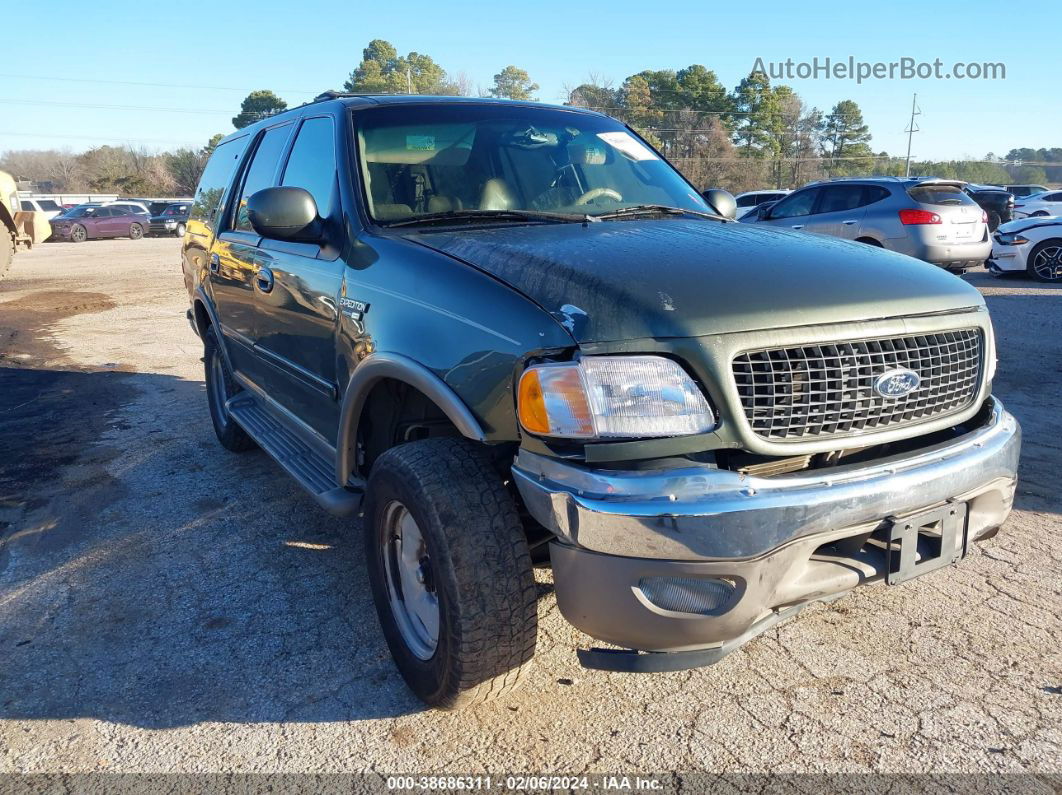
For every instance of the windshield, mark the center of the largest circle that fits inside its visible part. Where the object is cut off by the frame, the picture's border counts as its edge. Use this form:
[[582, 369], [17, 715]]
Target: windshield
[[424, 160], [79, 212], [177, 209]]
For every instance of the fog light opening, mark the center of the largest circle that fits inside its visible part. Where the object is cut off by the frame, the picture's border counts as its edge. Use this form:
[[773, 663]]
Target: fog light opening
[[695, 595]]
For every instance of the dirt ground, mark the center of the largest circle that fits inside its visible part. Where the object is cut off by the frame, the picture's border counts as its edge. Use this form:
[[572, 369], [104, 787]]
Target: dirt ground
[[167, 606]]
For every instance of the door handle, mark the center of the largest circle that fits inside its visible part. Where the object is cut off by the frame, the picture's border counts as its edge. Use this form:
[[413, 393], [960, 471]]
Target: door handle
[[848, 223], [215, 263], [264, 279], [798, 226]]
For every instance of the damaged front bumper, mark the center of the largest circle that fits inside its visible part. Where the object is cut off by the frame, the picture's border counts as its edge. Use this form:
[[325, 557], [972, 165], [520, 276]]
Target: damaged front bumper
[[696, 560]]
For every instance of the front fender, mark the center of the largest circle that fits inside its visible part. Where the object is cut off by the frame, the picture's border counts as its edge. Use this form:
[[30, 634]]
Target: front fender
[[373, 369]]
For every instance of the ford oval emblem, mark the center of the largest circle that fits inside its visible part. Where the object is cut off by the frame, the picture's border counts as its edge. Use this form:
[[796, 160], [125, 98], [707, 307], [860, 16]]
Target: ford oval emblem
[[897, 383]]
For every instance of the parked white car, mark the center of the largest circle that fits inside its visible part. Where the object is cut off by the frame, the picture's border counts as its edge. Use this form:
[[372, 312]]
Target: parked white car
[[750, 199], [1033, 245], [1049, 202], [49, 208]]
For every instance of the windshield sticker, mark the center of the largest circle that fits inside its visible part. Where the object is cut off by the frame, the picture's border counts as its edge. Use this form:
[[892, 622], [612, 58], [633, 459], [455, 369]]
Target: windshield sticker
[[628, 145], [421, 143]]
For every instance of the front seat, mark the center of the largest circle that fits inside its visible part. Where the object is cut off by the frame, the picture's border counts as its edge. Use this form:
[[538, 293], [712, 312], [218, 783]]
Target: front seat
[[497, 195]]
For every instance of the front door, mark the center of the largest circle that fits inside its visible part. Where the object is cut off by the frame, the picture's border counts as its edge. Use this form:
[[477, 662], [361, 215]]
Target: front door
[[839, 212], [298, 291], [234, 257]]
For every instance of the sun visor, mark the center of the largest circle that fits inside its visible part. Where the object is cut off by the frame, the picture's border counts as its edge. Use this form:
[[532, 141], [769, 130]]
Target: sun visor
[[436, 144]]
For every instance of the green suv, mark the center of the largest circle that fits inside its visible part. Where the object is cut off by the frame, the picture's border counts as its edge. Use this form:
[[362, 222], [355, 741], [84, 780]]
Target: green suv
[[509, 335]]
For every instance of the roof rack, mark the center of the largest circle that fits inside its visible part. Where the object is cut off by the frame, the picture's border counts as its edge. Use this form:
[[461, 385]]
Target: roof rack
[[324, 96]]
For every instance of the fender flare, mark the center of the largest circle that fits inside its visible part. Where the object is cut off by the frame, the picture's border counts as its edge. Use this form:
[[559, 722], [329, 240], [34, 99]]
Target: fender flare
[[395, 366]]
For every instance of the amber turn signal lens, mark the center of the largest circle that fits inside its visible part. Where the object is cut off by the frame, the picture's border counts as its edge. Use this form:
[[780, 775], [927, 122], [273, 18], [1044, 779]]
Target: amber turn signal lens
[[552, 402]]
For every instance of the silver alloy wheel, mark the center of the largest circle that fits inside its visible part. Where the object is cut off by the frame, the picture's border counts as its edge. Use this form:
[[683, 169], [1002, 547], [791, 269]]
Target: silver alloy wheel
[[1048, 263], [180, 230], [410, 581], [136, 231], [78, 234]]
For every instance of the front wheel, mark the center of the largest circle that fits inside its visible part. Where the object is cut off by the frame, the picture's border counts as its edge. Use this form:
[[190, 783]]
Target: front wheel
[[136, 231], [179, 231], [1045, 261], [450, 572], [79, 234]]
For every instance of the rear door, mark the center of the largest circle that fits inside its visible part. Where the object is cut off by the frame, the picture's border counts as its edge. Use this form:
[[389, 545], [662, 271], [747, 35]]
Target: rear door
[[839, 211], [297, 315], [234, 255]]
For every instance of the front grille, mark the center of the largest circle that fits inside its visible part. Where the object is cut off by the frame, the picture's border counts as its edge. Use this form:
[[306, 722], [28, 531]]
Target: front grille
[[816, 391]]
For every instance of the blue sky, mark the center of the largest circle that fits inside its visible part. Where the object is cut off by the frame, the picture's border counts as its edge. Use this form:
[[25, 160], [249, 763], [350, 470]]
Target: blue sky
[[300, 48]]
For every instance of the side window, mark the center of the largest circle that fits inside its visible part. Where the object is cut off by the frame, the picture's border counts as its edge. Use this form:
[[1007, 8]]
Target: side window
[[840, 198], [1053, 197], [215, 179], [872, 194], [795, 204], [105, 212], [261, 171], [312, 163]]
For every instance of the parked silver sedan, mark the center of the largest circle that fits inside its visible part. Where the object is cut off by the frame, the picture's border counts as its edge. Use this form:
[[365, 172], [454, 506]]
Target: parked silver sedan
[[931, 219]]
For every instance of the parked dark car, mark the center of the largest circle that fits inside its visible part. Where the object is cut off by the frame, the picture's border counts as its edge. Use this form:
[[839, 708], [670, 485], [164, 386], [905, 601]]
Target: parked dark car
[[92, 221], [997, 203], [170, 220], [509, 334]]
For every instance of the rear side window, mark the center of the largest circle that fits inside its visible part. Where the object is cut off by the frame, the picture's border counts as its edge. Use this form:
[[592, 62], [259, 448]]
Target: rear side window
[[312, 164], [27, 206], [261, 171], [1052, 197], [838, 198], [939, 194], [48, 205], [216, 177]]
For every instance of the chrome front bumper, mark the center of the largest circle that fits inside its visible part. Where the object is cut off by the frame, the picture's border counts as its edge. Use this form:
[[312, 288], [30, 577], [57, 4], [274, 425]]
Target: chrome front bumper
[[771, 535]]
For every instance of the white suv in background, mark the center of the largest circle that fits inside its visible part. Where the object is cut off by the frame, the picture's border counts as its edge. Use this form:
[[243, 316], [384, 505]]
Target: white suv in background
[[49, 208]]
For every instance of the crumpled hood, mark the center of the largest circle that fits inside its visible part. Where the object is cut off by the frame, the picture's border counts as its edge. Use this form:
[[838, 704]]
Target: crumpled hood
[[676, 277]]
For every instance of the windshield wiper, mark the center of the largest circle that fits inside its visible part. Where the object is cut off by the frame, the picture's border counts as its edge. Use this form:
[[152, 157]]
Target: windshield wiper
[[657, 209], [487, 215]]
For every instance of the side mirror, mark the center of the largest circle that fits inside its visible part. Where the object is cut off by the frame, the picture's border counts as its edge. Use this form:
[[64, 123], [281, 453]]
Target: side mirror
[[722, 201], [285, 214]]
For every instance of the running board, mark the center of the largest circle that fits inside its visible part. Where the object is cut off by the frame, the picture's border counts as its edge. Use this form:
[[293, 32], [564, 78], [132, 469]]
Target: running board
[[313, 471]]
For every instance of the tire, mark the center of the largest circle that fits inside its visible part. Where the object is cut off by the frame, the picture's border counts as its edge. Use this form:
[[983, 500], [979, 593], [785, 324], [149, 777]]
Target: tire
[[179, 231], [993, 221], [7, 248], [1045, 261], [136, 231], [221, 386], [78, 234], [474, 565]]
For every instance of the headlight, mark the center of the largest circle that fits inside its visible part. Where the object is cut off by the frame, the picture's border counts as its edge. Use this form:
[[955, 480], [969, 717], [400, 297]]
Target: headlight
[[1011, 239], [612, 397], [171, 223]]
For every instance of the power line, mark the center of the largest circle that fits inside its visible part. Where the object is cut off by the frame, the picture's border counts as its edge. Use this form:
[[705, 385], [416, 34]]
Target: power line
[[149, 85], [100, 138]]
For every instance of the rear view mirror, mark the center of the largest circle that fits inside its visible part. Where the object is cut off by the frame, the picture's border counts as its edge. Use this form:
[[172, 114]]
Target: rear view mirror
[[286, 213], [722, 201]]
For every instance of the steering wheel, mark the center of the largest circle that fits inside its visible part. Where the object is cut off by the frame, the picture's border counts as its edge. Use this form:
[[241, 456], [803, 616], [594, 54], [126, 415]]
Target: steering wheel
[[595, 193]]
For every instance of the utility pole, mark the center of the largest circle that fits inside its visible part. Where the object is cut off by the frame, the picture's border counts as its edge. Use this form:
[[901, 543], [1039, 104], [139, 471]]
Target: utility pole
[[409, 81], [912, 128]]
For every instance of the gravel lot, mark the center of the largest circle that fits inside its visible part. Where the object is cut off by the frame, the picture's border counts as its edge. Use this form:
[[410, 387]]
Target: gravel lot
[[166, 606]]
